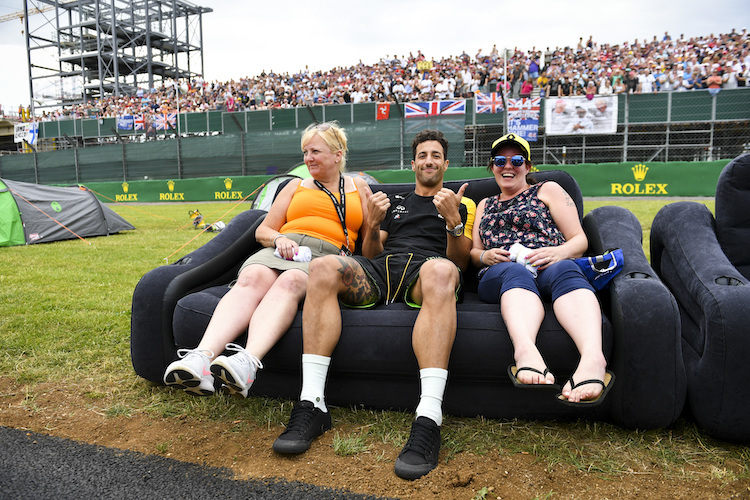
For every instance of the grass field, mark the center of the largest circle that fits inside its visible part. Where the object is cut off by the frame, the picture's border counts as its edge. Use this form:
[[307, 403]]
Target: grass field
[[65, 316]]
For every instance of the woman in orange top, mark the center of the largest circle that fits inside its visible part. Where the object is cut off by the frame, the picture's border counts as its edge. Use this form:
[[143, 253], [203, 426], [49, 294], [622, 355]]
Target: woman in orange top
[[714, 81], [310, 217]]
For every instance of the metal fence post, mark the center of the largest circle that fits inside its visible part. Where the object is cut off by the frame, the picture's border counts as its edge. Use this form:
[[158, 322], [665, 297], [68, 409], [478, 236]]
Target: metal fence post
[[713, 125], [179, 157], [625, 130], [401, 142], [74, 144], [669, 122]]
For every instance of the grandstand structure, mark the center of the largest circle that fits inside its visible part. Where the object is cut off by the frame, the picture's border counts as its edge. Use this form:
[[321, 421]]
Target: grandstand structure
[[82, 50]]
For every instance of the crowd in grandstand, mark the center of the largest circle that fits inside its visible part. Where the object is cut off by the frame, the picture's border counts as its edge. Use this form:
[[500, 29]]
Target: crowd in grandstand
[[662, 64]]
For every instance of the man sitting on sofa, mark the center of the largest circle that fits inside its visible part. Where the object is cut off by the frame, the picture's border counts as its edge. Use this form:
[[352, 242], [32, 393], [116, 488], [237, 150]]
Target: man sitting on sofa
[[419, 242]]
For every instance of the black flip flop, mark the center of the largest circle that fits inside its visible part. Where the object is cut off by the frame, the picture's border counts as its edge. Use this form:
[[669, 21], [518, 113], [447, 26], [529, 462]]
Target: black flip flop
[[513, 374], [609, 380]]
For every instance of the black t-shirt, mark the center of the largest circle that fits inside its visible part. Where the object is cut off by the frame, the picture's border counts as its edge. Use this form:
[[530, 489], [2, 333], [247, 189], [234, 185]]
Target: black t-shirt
[[414, 225]]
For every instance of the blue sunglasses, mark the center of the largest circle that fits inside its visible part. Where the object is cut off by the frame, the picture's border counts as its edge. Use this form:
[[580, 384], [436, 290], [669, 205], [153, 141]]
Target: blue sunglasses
[[515, 160]]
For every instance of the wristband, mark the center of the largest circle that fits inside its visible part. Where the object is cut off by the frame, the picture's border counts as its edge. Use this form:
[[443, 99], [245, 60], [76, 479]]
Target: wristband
[[273, 242], [481, 256]]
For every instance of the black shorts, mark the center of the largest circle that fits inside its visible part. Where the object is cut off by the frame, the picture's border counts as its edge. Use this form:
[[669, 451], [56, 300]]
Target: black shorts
[[393, 275]]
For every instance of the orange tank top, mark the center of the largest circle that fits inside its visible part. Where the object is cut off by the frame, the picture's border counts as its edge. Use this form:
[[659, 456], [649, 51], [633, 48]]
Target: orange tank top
[[311, 212]]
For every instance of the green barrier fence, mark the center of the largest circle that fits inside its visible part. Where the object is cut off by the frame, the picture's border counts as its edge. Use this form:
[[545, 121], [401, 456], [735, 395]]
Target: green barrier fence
[[668, 127], [681, 179], [729, 104]]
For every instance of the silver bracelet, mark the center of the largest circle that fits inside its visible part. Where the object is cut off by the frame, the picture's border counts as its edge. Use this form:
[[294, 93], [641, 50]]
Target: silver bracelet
[[273, 243], [481, 256]]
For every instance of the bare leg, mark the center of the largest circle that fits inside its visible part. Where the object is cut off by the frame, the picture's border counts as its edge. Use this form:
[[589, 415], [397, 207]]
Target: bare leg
[[331, 277], [435, 327], [580, 315], [433, 334], [235, 310], [275, 313], [523, 312]]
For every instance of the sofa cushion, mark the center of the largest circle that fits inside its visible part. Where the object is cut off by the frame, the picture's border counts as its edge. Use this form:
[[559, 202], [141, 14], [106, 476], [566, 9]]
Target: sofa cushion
[[374, 363]]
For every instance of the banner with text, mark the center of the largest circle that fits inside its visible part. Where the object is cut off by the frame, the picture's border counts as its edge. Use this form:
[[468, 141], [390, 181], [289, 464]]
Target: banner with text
[[580, 115], [26, 132], [632, 179], [523, 117]]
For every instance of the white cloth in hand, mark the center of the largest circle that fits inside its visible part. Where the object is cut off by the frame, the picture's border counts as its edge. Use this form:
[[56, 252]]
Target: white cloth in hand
[[518, 253], [303, 254]]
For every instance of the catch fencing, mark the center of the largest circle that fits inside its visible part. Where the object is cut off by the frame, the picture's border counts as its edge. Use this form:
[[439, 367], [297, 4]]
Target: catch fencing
[[662, 127]]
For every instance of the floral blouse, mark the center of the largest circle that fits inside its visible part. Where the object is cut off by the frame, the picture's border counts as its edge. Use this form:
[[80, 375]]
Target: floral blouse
[[524, 219]]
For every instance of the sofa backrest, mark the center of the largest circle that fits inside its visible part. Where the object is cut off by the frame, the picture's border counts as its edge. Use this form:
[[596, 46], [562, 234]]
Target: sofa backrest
[[733, 213], [484, 187]]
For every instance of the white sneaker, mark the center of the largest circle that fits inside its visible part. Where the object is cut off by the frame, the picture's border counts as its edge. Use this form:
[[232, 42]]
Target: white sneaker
[[236, 372], [191, 372]]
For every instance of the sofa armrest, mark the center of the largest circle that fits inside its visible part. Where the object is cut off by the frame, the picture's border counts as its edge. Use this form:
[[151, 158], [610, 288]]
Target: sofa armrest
[[714, 300], [152, 345], [651, 384]]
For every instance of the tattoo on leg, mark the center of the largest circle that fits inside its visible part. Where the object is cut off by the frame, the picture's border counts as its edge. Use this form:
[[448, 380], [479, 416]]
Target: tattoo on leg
[[359, 290]]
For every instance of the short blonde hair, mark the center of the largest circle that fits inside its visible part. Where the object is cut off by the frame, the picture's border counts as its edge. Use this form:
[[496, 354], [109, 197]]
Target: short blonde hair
[[332, 134]]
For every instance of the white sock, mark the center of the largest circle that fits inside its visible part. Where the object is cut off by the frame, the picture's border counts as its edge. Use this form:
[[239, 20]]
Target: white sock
[[314, 374], [432, 381]]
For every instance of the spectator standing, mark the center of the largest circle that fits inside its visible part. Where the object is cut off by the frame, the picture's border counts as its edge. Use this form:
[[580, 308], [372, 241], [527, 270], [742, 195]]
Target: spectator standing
[[605, 86], [541, 83], [526, 88], [714, 81], [533, 66], [517, 78], [646, 82]]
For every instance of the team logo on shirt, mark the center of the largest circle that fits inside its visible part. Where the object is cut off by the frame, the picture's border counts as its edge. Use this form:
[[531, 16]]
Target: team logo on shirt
[[399, 211]]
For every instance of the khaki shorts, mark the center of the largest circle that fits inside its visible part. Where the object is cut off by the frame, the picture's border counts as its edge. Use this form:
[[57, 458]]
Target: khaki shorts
[[265, 256]]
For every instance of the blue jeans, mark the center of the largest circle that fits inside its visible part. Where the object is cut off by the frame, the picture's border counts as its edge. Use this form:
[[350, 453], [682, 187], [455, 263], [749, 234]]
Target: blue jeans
[[555, 281]]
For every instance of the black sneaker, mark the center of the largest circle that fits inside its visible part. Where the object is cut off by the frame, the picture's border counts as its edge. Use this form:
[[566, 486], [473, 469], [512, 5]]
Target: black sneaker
[[420, 454], [305, 424]]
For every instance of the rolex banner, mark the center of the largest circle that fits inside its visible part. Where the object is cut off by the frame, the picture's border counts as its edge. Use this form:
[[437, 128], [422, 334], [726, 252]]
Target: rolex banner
[[629, 179], [652, 179]]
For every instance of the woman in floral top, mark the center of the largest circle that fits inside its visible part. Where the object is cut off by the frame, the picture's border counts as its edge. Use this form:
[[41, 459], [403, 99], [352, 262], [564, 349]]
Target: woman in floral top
[[524, 243]]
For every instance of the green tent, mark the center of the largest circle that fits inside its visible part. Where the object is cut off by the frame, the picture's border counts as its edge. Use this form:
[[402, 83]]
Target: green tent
[[34, 213], [11, 226]]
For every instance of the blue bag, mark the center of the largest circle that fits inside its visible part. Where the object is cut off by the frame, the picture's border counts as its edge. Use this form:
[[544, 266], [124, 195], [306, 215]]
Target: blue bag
[[600, 269]]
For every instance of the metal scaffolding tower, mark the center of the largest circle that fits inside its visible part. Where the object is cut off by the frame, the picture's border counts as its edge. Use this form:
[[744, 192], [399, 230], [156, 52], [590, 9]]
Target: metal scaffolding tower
[[86, 49]]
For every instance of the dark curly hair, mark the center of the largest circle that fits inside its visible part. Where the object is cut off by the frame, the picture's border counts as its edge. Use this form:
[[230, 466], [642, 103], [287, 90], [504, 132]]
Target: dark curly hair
[[429, 135]]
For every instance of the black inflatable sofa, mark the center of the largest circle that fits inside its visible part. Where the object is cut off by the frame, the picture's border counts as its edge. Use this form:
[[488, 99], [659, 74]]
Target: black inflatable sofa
[[705, 261], [374, 365]]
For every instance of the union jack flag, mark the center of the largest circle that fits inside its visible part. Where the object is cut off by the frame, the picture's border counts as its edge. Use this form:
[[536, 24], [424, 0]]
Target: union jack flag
[[160, 122], [524, 109], [172, 120], [489, 103], [140, 122], [434, 108]]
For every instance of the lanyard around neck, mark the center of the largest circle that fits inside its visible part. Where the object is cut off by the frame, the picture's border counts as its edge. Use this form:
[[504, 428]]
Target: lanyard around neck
[[339, 206]]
